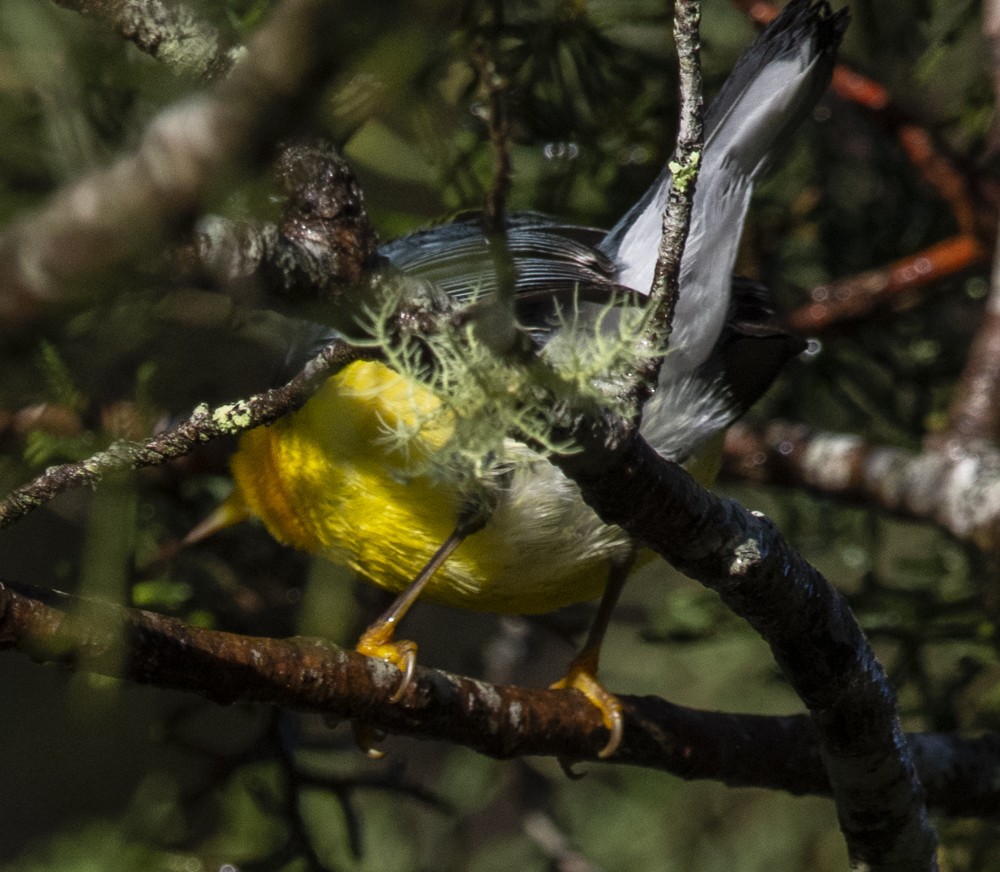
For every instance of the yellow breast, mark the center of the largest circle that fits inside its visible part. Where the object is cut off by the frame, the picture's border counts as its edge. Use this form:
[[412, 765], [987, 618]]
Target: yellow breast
[[328, 480]]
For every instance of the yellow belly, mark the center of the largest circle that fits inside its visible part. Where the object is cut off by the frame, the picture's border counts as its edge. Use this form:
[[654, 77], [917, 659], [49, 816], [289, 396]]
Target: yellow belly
[[327, 480]]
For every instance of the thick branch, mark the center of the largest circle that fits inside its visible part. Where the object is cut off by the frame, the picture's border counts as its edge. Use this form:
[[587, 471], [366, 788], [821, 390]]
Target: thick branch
[[812, 633], [171, 32], [778, 753], [958, 491], [974, 414]]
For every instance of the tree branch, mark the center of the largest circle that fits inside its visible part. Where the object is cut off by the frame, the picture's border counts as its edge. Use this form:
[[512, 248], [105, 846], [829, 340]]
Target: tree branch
[[171, 32], [856, 296], [974, 414], [779, 753], [955, 490], [110, 215], [809, 626], [203, 425], [496, 323], [684, 165]]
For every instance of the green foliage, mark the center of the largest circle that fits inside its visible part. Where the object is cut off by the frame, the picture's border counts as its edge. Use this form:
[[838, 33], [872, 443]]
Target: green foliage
[[57, 378]]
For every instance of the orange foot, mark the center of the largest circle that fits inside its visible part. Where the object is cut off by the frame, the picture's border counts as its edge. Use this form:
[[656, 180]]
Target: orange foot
[[377, 642], [582, 676]]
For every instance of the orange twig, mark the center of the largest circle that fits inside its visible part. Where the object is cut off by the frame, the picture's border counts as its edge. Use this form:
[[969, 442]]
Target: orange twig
[[857, 295]]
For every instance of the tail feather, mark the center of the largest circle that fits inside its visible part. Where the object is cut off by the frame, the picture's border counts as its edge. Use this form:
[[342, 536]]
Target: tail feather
[[774, 84], [772, 88]]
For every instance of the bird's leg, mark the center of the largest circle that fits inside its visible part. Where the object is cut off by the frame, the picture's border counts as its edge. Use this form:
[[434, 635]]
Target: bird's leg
[[377, 640], [582, 673]]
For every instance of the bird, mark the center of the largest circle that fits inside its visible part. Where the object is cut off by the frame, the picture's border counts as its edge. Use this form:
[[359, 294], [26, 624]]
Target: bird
[[352, 474]]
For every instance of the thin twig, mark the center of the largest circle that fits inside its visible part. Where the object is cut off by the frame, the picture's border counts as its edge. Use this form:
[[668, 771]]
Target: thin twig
[[203, 425], [684, 164], [496, 323]]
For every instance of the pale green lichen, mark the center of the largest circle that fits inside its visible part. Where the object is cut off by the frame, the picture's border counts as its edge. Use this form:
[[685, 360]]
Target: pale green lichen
[[484, 398], [233, 418], [684, 174]]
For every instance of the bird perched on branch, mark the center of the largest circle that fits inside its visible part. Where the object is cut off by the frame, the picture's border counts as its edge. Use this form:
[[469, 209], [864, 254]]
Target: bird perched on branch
[[424, 488]]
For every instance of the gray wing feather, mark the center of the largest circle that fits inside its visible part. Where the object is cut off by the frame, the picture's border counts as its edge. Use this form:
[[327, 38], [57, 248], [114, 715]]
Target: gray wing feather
[[773, 86]]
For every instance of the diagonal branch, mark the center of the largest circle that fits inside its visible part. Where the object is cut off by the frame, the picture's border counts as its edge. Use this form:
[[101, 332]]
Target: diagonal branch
[[112, 214], [974, 414], [857, 296], [171, 32], [203, 425], [813, 635]]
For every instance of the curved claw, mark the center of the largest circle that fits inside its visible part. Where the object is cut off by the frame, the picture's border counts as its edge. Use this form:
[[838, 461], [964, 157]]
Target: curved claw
[[407, 664], [377, 642], [616, 727], [581, 677], [366, 737]]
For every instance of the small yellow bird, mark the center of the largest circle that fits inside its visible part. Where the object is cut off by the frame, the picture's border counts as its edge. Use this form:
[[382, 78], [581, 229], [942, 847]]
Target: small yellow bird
[[336, 478]]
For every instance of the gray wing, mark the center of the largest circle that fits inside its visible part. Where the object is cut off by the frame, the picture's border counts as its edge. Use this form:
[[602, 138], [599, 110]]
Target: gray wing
[[773, 86], [750, 352], [553, 261]]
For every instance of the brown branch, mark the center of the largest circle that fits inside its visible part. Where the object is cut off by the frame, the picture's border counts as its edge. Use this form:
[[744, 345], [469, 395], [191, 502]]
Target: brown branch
[[954, 186], [202, 426], [110, 215], [171, 32], [493, 81], [779, 753], [955, 490], [856, 296], [974, 413], [939, 171], [991, 33]]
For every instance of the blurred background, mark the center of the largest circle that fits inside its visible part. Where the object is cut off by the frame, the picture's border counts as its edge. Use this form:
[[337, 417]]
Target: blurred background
[[98, 775]]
